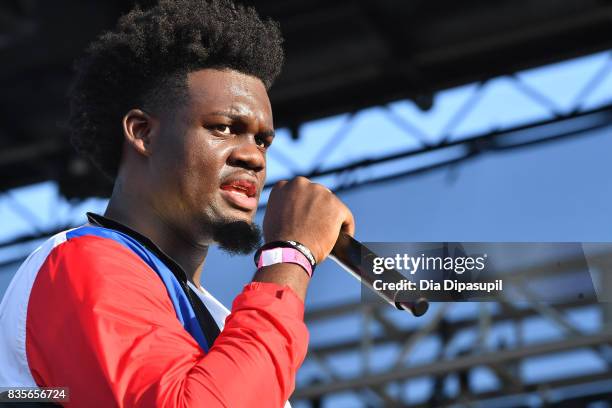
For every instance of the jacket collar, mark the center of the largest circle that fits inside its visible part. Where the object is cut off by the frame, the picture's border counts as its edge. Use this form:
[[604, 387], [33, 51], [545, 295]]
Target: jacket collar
[[104, 222]]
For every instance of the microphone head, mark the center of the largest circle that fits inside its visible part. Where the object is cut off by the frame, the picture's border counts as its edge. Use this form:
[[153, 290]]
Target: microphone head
[[417, 308]]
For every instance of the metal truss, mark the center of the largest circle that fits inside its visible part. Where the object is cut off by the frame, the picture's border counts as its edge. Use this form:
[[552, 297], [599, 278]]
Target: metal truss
[[421, 150], [416, 151], [387, 387]]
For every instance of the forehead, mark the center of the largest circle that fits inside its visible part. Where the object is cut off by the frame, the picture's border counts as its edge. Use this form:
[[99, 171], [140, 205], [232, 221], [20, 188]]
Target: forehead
[[213, 90]]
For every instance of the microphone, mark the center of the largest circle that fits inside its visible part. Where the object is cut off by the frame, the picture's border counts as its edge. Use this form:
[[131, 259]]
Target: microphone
[[348, 253]]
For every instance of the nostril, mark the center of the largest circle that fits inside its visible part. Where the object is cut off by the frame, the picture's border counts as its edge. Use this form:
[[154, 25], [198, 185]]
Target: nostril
[[248, 157]]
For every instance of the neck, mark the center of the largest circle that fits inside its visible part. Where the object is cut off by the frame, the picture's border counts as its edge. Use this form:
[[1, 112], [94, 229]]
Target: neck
[[132, 212]]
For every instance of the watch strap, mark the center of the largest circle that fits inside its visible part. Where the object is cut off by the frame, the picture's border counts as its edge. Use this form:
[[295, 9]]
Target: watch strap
[[277, 255]]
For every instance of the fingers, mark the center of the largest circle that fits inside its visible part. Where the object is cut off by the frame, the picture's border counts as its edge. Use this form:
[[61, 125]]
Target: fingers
[[278, 185], [348, 221], [307, 212], [346, 216], [348, 226]]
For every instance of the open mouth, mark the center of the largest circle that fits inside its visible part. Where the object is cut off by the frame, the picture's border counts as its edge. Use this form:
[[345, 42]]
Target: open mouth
[[244, 187], [240, 193]]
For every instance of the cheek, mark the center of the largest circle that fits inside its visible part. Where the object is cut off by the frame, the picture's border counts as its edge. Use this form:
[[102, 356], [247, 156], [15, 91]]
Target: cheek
[[202, 166], [168, 164], [180, 167], [199, 171]]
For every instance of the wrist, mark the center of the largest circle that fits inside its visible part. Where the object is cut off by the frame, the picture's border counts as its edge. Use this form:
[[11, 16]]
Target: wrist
[[280, 252], [290, 244], [288, 274]]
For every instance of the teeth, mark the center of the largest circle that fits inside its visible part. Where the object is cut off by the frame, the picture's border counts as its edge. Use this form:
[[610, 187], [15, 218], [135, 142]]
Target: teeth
[[238, 192], [237, 189]]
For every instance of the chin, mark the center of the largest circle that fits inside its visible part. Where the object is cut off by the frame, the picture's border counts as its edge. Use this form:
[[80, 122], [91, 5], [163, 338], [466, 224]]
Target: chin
[[237, 235], [240, 215]]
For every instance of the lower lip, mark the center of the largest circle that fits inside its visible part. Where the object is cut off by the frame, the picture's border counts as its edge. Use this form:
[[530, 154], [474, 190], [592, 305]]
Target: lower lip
[[240, 200]]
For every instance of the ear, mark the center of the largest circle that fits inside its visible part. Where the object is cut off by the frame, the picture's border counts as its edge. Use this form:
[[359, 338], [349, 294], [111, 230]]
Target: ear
[[139, 129]]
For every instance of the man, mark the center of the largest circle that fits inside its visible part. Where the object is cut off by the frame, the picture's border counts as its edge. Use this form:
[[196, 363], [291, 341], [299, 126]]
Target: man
[[173, 106]]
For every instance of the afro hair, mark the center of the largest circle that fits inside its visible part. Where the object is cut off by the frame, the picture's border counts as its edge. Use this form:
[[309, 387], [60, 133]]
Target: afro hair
[[145, 60]]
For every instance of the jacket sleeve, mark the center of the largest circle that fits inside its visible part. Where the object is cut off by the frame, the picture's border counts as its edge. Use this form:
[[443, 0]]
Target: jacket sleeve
[[100, 322]]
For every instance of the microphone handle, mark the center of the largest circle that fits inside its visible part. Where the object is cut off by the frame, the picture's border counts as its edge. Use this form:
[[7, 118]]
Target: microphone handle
[[348, 253]]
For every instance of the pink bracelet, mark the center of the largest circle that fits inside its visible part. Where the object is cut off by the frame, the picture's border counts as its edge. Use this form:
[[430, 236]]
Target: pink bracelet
[[281, 255]]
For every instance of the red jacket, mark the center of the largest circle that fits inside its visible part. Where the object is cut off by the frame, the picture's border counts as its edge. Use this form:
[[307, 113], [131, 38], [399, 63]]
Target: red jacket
[[100, 321]]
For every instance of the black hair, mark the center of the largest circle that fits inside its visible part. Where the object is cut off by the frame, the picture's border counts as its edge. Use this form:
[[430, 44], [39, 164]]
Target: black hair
[[144, 62]]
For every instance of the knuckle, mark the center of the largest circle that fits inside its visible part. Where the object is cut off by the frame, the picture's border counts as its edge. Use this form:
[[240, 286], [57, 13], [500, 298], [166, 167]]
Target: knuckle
[[350, 216], [345, 211], [322, 189], [301, 180], [279, 184]]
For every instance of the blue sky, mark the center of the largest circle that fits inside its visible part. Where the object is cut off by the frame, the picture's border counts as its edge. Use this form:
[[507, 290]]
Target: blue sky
[[559, 191]]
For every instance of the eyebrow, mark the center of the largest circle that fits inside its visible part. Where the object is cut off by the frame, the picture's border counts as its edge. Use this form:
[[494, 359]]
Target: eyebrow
[[238, 117]]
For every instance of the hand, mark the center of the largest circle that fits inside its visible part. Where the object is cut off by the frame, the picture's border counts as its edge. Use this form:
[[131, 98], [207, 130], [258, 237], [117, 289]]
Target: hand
[[306, 212]]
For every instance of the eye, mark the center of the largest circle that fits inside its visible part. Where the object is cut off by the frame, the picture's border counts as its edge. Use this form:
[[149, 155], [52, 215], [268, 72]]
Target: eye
[[223, 129], [263, 140]]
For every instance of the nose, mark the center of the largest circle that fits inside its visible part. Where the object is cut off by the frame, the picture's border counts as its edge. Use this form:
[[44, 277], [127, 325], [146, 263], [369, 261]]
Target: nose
[[247, 155]]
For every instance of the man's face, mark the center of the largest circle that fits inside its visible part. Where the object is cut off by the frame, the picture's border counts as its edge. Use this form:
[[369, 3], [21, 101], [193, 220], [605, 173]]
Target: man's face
[[209, 158]]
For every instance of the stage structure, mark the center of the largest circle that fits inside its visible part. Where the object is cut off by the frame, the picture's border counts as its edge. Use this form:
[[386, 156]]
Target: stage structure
[[502, 358], [343, 58]]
